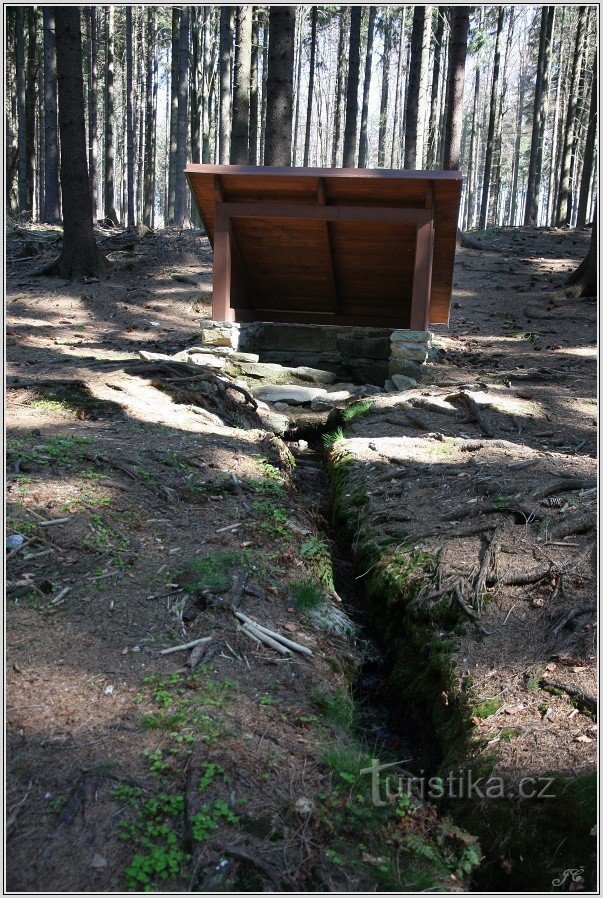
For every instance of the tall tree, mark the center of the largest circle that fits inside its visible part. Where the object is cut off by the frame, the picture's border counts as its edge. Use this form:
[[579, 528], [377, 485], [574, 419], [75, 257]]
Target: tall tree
[[395, 143], [313, 21], [239, 147], [351, 108], [432, 137], [30, 105], [50, 212], [483, 212], [182, 128], [455, 86], [226, 35], [411, 111], [172, 146], [149, 141], [589, 151], [366, 90], [109, 175], [564, 202], [254, 94], [93, 108], [80, 256], [22, 203], [583, 279], [538, 116], [339, 88], [279, 86], [129, 120]]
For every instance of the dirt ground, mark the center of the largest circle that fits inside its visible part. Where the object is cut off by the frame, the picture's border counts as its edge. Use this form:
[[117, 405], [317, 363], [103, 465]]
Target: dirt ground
[[142, 512]]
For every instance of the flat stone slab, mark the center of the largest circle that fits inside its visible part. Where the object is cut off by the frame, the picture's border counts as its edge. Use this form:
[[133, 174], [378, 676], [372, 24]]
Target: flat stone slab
[[289, 393], [279, 373], [333, 399]]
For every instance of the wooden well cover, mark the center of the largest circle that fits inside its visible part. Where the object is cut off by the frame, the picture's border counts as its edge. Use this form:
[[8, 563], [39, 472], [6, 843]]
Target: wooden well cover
[[334, 246]]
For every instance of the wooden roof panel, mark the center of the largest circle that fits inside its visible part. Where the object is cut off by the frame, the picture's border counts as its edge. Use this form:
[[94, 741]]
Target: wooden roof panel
[[353, 271]]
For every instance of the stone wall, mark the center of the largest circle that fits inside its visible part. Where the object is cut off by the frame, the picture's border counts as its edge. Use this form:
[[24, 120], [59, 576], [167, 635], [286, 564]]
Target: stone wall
[[364, 355]]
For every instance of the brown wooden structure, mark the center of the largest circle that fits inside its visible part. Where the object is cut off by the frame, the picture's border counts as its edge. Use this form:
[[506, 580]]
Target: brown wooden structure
[[362, 247]]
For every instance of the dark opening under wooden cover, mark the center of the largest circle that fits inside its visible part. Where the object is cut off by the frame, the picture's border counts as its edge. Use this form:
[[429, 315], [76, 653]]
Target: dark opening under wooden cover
[[333, 246]]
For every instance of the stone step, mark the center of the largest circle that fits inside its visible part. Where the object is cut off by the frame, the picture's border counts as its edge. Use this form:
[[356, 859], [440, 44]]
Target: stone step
[[291, 394]]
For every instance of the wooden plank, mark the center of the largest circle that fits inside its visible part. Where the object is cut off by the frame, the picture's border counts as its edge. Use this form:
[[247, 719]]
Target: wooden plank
[[220, 305], [327, 213], [322, 201]]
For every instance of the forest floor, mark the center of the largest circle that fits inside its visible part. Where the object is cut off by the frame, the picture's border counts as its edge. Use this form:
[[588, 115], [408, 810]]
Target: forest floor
[[148, 520]]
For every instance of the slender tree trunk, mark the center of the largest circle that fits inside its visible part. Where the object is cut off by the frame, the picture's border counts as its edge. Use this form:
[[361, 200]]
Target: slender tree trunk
[[411, 113], [546, 74], [339, 85], [366, 89], [423, 83], [254, 90], [483, 215], [517, 148], [298, 44], [93, 110], [129, 120], [195, 83], [149, 139], [226, 33], [564, 203], [21, 142], [474, 139], [265, 42], [455, 87], [351, 110], [538, 117], [180, 217], [279, 86], [175, 43], [313, 21], [387, 43], [109, 175], [30, 107], [239, 148], [80, 256], [51, 212], [394, 143], [589, 151], [432, 139]]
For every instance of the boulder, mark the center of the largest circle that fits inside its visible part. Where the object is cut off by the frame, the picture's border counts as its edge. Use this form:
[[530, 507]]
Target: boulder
[[403, 382], [331, 400], [289, 393]]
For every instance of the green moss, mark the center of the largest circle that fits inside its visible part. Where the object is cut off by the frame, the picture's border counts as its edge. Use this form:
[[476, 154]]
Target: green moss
[[486, 708]]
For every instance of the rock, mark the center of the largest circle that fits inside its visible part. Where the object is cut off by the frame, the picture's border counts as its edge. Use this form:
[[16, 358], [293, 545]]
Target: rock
[[225, 351], [316, 375], [390, 386], [289, 393], [206, 359], [398, 365], [366, 390], [408, 336], [98, 862], [331, 400], [281, 406], [273, 422], [220, 333], [14, 541], [192, 279], [403, 382], [415, 352], [359, 346]]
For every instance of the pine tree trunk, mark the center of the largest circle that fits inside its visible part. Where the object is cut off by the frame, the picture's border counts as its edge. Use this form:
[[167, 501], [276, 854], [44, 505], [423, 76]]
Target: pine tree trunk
[[395, 141], [517, 147], [313, 22], [432, 139], [589, 151], [474, 140], [226, 35], [411, 112], [93, 111], [109, 175], [298, 43], [538, 117], [180, 217], [351, 110], [564, 202], [80, 256], [21, 143], [455, 87], [366, 89], [265, 41], [254, 90], [51, 212], [423, 85], [175, 43], [339, 86], [387, 43], [30, 108], [584, 278], [483, 214], [279, 86], [195, 83], [129, 120], [149, 137], [239, 149]]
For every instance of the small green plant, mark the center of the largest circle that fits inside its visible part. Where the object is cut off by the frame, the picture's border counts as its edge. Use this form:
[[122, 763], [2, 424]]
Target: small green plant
[[487, 708], [157, 761], [356, 410], [330, 439], [160, 863], [307, 594], [336, 707], [275, 519], [208, 819], [123, 792], [210, 771]]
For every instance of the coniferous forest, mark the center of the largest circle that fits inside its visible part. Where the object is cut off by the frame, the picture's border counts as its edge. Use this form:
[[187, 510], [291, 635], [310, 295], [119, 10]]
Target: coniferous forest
[[507, 94]]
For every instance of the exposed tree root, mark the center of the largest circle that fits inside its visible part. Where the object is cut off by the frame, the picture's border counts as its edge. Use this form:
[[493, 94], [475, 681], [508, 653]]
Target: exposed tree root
[[575, 612], [578, 523], [468, 402], [583, 698], [562, 485]]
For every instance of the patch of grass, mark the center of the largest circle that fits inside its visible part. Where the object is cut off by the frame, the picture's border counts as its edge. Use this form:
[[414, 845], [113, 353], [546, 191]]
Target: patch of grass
[[335, 707], [275, 519], [356, 410], [487, 708], [329, 440], [211, 571], [307, 594]]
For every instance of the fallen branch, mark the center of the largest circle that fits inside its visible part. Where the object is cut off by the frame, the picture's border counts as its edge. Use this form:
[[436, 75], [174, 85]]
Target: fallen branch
[[186, 645], [525, 577], [271, 633], [473, 408], [267, 640], [575, 612], [562, 485], [578, 523], [578, 695]]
